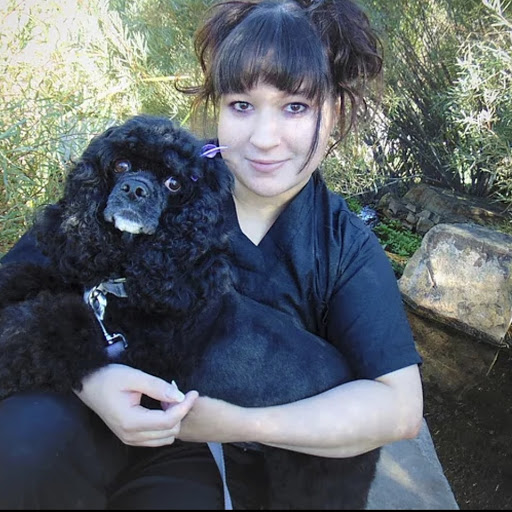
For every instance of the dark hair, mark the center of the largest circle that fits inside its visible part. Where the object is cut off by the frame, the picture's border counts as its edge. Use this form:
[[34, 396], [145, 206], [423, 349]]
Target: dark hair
[[321, 48]]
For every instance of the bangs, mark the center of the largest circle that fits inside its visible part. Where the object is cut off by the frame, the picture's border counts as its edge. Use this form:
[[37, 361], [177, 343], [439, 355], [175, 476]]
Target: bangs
[[284, 54]]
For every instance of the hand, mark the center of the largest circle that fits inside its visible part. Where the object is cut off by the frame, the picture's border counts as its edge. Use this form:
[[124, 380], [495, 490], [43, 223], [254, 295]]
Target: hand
[[114, 392]]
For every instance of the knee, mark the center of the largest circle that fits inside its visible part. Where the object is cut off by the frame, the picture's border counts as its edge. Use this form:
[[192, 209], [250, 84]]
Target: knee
[[34, 428]]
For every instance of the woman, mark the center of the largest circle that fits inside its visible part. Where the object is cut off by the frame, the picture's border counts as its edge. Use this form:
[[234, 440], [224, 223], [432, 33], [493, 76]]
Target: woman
[[282, 77]]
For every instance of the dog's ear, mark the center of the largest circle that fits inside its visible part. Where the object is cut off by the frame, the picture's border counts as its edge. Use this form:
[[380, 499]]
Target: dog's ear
[[83, 176], [218, 176], [47, 228], [88, 174], [98, 156], [88, 181], [70, 233]]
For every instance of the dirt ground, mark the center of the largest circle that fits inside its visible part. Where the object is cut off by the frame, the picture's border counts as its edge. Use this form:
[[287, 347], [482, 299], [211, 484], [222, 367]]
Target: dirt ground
[[468, 408]]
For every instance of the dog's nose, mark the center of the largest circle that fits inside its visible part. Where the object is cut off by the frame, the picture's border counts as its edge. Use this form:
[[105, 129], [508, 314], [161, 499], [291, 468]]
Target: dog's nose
[[135, 189]]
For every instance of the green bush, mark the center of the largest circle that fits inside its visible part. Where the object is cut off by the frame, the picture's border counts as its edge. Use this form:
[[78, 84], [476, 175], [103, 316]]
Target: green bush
[[350, 168], [447, 103], [354, 205], [478, 109]]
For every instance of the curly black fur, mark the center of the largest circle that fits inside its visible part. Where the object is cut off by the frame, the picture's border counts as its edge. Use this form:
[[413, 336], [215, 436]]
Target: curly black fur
[[175, 268], [142, 204]]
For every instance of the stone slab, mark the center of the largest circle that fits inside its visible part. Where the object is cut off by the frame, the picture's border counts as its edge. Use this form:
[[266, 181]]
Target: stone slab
[[410, 477]]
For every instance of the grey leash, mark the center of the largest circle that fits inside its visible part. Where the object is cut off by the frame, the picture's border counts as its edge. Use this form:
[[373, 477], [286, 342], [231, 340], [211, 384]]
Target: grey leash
[[218, 455]]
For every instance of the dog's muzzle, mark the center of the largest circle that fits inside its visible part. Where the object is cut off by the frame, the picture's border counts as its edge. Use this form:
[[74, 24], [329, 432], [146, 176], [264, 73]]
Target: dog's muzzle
[[135, 203]]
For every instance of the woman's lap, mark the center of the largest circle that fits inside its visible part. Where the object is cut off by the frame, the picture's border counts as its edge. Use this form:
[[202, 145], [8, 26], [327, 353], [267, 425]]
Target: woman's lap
[[56, 453]]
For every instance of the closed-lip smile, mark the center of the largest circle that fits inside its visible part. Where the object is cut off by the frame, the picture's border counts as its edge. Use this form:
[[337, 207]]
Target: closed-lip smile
[[265, 165]]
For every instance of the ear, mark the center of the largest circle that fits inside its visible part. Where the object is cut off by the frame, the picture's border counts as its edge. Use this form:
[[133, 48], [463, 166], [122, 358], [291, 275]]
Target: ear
[[82, 176], [47, 227], [100, 150], [71, 232], [218, 177], [86, 188]]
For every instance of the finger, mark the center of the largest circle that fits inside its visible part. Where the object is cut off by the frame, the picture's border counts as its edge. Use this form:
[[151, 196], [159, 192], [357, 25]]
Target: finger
[[153, 443], [143, 420], [191, 395], [137, 438], [178, 411], [152, 386]]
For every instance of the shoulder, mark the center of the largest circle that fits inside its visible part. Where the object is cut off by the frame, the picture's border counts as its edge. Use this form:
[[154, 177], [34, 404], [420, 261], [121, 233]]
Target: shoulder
[[339, 228], [330, 203]]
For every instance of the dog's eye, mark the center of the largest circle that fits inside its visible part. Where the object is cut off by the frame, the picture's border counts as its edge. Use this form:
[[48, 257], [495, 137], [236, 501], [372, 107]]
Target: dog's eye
[[122, 166], [172, 184]]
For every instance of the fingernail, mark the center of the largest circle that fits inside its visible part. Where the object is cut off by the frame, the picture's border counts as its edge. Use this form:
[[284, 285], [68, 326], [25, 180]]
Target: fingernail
[[175, 393]]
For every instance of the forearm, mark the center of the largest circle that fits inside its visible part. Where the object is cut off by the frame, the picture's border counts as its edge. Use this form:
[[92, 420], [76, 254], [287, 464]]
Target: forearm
[[345, 421], [348, 420]]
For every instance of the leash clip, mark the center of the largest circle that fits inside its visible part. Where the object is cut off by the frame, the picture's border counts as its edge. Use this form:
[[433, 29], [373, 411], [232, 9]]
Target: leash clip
[[96, 298]]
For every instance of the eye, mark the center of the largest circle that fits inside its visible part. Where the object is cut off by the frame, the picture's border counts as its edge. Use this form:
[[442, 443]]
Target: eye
[[241, 106], [296, 108], [122, 166], [172, 184]]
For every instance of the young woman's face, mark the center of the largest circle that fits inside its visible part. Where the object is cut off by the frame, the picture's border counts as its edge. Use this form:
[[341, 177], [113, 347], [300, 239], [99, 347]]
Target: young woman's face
[[268, 134]]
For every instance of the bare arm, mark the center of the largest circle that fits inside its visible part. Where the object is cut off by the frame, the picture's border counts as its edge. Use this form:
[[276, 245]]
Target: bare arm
[[348, 420]]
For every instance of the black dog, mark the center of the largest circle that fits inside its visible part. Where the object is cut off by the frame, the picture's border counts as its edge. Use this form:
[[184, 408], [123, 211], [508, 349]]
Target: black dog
[[138, 272]]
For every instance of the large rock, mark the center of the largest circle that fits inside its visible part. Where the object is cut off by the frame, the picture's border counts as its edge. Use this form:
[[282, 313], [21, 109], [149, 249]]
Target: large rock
[[462, 276]]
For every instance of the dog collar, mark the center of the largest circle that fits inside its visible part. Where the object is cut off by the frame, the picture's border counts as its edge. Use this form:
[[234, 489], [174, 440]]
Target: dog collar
[[96, 298]]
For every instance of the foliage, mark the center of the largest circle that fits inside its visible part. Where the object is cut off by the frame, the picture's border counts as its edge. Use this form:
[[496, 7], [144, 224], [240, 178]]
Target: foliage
[[166, 27], [73, 67], [354, 205], [446, 109], [348, 168], [478, 108], [396, 238], [420, 46]]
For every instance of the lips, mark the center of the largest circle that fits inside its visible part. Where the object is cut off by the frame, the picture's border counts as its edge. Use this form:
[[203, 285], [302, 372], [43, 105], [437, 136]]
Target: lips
[[130, 222], [266, 166]]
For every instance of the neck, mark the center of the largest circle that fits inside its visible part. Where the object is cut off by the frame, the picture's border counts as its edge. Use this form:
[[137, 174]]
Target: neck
[[255, 219]]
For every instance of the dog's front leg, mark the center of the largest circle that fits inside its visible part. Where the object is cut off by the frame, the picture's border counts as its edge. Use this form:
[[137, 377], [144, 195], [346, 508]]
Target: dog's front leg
[[49, 342]]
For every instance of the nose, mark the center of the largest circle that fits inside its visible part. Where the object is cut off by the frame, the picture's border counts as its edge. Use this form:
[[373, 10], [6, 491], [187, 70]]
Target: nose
[[265, 133], [134, 189]]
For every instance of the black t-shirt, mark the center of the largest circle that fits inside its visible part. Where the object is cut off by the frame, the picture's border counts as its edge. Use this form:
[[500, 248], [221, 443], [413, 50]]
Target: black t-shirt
[[321, 265]]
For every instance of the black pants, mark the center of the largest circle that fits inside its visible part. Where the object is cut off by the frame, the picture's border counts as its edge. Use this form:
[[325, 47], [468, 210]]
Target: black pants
[[55, 453]]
